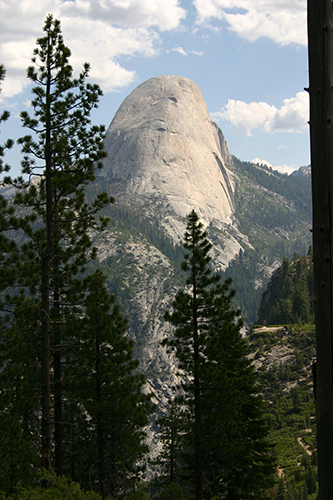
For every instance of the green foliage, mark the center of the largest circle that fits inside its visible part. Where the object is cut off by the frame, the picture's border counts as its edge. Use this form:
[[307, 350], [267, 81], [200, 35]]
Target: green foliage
[[294, 191], [19, 398], [172, 436], [59, 489], [172, 492], [94, 378], [273, 210], [63, 156], [62, 153], [8, 221], [62, 106], [225, 435], [140, 493], [289, 296], [244, 271], [105, 389]]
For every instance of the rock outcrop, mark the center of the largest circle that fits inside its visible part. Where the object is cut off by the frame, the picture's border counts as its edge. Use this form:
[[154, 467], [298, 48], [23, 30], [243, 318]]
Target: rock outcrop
[[162, 146]]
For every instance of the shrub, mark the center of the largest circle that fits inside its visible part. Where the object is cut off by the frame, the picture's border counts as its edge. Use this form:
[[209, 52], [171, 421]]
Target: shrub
[[60, 489]]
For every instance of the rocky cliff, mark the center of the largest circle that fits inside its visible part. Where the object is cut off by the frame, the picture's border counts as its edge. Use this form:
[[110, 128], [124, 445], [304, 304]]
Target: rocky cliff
[[165, 154]]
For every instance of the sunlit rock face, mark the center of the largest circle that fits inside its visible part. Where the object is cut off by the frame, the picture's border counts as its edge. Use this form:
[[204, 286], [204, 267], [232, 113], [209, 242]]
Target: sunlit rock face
[[163, 147]]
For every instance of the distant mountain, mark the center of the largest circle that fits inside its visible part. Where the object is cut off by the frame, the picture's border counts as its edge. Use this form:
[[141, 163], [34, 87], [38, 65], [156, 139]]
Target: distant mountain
[[302, 172], [166, 157]]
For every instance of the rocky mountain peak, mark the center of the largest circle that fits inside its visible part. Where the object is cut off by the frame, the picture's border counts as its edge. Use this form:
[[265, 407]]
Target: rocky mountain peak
[[163, 148], [303, 172]]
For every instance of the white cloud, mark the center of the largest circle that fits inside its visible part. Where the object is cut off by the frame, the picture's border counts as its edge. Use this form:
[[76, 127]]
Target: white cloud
[[97, 31], [196, 53], [291, 117], [128, 13], [286, 169], [180, 50], [246, 116], [283, 169], [183, 52], [282, 21], [261, 162]]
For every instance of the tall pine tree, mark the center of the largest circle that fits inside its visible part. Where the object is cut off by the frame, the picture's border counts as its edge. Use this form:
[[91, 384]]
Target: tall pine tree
[[227, 448], [60, 159]]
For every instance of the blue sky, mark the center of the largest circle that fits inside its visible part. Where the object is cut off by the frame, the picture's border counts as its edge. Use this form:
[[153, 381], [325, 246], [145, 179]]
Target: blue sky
[[249, 58]]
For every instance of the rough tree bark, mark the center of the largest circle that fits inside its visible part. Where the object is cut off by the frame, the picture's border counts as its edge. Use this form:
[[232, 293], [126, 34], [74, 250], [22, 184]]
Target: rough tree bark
[[46, 269], [320, 37]]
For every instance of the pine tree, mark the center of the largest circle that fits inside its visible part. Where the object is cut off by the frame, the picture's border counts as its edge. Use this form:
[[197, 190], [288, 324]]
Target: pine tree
[[59, 161], [235, 429], [104, 382], [281, 493], [171, 435], [227, 448], [301, 302]]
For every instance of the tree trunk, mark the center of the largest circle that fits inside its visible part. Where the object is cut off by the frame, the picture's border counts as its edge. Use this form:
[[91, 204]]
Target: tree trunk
[[46, 269], [46, 383], [100, 433], [58, 433], [198, 439], [321, 133], [46, 380], [197, 389], [172, 451]]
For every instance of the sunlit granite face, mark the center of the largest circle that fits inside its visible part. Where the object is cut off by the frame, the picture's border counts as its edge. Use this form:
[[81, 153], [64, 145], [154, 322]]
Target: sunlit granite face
[[162, 144]]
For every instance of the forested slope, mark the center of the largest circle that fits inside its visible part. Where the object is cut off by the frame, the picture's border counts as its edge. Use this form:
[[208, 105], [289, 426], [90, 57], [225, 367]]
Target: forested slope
[[284, 356], [274, 211], [289, 295]]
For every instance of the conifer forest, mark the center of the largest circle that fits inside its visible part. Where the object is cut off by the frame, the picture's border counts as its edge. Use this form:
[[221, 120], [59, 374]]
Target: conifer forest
[[74, 405]]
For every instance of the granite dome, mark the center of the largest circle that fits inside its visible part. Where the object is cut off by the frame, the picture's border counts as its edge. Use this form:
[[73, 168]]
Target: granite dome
[[163, 146]]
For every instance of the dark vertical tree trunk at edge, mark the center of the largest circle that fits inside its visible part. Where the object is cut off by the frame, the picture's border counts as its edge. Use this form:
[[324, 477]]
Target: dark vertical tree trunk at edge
[[58, 431], [198, 440], [100, 434], [46, 270], [197, 391], [321, 132], [46, 383]]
